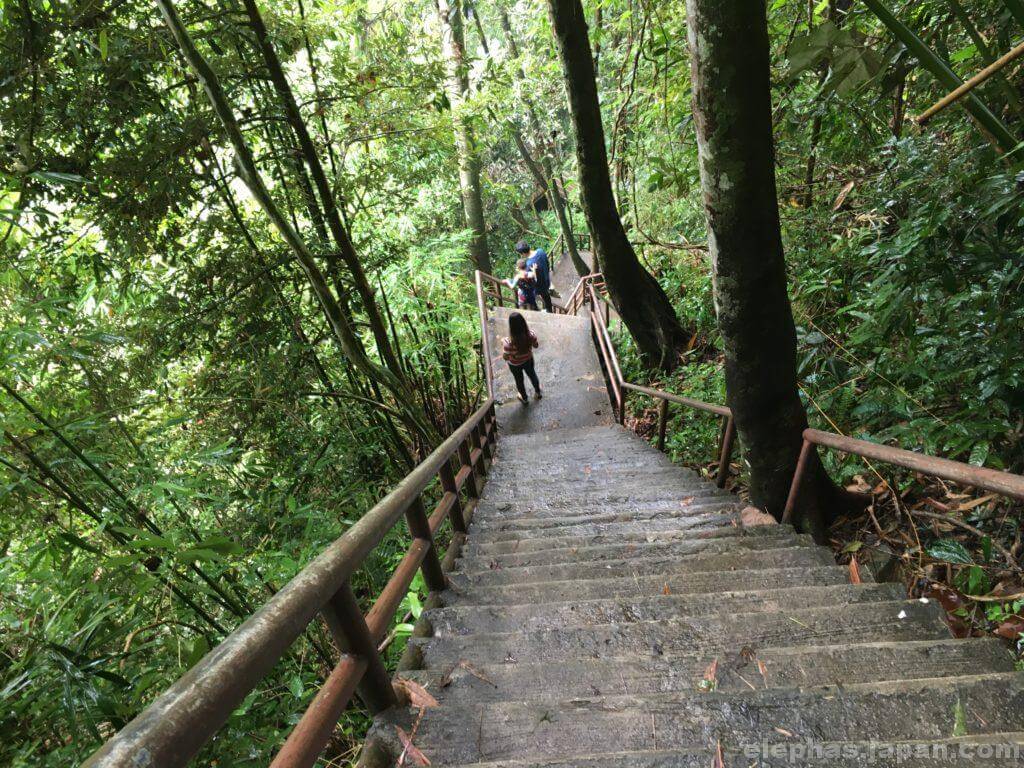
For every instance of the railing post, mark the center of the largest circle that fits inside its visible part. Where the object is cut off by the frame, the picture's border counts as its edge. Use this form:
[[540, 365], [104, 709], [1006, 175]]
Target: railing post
[[478, 439], [351, 634], [472, 490], [622, 403], [419, 527], [798, 478], [662, 424], [455, 514], [728, 438]]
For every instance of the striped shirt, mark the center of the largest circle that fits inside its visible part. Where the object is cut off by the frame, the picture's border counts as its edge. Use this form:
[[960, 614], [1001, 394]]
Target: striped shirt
[[514, 355]]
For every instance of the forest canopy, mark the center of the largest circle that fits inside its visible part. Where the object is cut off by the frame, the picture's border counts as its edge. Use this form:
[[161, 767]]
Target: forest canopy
[[237, 242]]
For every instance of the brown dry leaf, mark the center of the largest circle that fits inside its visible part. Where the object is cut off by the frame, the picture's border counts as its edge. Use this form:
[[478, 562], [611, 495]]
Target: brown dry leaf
[[447, 679], [1011, 629], [414, 693], [854, 571], [763, 669], [843, 194], [710, 681], [752, 516], [784, 732], [975, 503], [686, 502], [719, 761], [587, 470], [409, 750], [665, 590]]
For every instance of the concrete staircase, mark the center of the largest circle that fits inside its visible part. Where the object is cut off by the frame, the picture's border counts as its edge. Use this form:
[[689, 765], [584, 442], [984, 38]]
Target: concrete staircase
[[610, 609]]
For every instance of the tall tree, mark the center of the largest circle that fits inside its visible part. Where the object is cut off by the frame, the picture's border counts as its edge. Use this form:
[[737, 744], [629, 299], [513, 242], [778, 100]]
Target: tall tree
[[637, 296], [729, 57], [544, 171], [453, 48]]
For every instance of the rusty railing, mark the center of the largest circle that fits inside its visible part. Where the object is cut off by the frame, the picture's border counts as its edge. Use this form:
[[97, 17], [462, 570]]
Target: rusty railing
[[1002, 483], [589, 292], [189, 714]]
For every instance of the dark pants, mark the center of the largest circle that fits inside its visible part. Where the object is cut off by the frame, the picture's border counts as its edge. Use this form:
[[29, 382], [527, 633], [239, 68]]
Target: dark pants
[[517, 374], [527, 304], [545, 296]]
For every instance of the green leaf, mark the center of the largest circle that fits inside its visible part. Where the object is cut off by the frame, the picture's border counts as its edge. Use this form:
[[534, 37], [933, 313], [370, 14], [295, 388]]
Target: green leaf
[[194, 554], [949, 551], [103, 44], [959, 719]]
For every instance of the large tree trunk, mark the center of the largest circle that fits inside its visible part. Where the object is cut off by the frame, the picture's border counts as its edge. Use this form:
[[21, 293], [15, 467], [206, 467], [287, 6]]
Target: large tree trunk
[[729, 57], [453, 48], [639, 300]]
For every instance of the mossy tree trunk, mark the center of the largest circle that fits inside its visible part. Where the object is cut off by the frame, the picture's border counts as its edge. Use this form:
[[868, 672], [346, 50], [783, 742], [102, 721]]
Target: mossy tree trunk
[[637, 296], [729, 54]]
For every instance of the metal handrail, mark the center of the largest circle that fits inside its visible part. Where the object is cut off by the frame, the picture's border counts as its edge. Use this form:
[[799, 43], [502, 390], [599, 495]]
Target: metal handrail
[[1002, 483], [588, 289], [187, 715]]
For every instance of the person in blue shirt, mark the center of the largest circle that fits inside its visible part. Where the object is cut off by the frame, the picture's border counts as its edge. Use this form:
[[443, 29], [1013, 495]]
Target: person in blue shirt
[[537, 262]]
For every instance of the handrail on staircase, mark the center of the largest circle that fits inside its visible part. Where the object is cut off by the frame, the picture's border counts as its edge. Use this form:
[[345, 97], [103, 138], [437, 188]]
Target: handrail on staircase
[[189, 714], [1002, 483]]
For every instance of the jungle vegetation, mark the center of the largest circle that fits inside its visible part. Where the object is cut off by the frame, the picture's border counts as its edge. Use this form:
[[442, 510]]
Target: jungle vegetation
[[236, 248]]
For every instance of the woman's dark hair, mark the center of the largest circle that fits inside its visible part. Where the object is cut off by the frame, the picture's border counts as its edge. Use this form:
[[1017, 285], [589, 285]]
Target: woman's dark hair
[[519, 332], [522, 247]]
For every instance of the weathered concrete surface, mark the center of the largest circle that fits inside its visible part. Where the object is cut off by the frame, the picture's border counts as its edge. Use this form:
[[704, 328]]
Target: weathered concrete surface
[[610, 610], [568, 369]]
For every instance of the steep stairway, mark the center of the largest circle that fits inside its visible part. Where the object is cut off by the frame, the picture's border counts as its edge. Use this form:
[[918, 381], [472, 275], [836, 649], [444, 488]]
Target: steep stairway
[[611, 609]]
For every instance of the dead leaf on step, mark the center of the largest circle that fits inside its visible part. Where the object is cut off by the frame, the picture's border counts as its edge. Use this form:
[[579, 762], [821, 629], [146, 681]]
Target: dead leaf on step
[[586, 470], [686, 502], [410, 751], [719, 761], [665, 590], [763, 669], [784, 732], [752, 516], [710, 681], [414, 694], [447, 679], [854, 571]]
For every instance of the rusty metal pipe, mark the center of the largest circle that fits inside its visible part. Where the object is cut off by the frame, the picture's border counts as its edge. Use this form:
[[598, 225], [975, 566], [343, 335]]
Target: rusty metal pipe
[[1003, 483], [662, 423], [447, 478], [375, 688], [698, 405], [798, 479], [311, 734], [378, 618], [728, 438], [419, 527]]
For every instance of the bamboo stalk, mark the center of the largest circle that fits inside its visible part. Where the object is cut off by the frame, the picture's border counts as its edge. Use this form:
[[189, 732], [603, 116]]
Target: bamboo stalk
[[970, 85]]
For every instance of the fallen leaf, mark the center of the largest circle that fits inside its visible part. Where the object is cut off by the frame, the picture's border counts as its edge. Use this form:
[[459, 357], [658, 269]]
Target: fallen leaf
[[415, 694], [719, 762], [784, 732], [854, 571], [763, 669], [710, 681], [853, 546], [752, 516], [686, 502], [1011, 629], [409, 750], [843, 194], [665, 590], [447, 679], [975, 503]]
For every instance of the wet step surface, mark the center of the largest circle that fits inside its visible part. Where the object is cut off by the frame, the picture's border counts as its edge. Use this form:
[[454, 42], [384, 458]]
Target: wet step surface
[[609, 609]]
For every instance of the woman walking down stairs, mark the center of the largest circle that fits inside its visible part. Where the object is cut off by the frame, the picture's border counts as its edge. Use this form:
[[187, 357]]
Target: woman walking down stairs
[[611, 609]]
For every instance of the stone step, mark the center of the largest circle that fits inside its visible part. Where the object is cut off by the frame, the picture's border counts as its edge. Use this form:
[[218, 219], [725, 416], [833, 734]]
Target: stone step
[[632, 550], [570, 436], [788, 557], [476, 548], [890, 711], [706, 583], [999, 750], [528, 617], [586, 463], [708, 634], [583, 497], [669, 516], [794, 667]]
